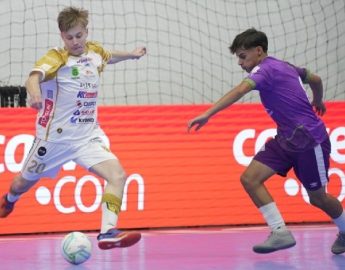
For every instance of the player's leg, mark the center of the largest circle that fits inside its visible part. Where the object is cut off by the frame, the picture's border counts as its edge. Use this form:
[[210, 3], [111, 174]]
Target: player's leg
[[109, 237], [44, 160], [333, 208], [326, 202], [314, 177], [96, 157], [19, 186], [253, 179], [265, 164]]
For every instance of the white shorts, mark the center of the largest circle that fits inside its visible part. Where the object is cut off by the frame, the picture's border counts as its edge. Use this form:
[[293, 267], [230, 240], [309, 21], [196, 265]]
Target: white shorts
[[45, 159]]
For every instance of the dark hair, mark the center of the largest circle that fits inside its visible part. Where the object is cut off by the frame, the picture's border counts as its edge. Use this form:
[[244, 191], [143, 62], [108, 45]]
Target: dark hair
[[249, 39]]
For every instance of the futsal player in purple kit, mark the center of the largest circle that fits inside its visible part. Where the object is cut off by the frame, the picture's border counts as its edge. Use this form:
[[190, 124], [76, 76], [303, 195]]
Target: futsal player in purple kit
[[301, 143]]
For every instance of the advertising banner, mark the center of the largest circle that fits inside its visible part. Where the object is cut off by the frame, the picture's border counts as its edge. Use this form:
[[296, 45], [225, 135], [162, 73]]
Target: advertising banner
[[175, 178]]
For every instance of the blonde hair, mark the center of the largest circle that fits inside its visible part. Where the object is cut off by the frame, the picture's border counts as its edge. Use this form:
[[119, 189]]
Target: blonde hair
[[71, 16]]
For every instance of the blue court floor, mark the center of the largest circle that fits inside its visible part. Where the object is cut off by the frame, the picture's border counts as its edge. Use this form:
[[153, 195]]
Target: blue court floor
[[187, 249]]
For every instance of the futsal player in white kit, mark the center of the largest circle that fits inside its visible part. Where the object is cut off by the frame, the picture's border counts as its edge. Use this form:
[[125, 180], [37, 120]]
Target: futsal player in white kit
[[63, 87]]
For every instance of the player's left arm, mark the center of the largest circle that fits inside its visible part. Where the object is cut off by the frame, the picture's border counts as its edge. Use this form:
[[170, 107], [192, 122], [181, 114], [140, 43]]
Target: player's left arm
[[118, 56], [316, 86]]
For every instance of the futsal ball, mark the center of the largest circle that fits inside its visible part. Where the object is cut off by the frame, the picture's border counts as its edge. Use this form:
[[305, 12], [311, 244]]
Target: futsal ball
[[76, 247]]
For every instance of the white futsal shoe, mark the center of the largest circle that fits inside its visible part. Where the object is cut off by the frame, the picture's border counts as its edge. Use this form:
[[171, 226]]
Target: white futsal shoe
[[277, 240]]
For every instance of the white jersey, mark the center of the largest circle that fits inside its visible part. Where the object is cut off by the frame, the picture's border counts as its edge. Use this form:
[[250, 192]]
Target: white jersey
[[69, 92]]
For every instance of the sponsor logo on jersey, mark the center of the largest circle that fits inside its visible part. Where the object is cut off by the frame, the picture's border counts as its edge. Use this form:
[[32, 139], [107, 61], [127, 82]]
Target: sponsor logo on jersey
[[87, 112], [84, 60], [86, 120], [88, 85], [89, 73], [75, 72], [84, 112], [74, 120], [77, 120], [48, 108], [50, 94], [86, 94], [89, 104], [41, 151]]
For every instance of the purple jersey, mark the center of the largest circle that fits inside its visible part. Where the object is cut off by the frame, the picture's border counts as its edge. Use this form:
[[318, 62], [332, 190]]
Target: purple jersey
[[285, 99]]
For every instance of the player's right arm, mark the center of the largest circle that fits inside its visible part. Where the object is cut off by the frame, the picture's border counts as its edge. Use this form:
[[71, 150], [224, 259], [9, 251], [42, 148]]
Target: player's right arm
[[316, 87], [227, 100], [45, 69], [33, 89], [117, 56]]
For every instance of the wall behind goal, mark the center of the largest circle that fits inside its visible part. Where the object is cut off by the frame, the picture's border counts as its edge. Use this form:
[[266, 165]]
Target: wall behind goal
[[188, 60]]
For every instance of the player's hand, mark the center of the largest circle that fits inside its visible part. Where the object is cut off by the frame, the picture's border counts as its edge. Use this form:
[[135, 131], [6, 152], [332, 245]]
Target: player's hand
[[319, 107], [138, 52], [35, 102], [198, 121]]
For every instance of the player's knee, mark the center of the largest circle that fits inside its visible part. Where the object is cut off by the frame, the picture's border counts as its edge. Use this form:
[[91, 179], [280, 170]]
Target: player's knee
[[247, 181], [123, 177], [119, 178], [120, 175], [318, 201]]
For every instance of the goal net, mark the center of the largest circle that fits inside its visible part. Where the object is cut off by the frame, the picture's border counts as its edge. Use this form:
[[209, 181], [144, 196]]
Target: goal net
[[188, 60]]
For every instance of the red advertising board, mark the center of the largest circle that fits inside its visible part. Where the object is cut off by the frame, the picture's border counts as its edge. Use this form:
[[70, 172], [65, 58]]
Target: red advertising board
[[175, 178]]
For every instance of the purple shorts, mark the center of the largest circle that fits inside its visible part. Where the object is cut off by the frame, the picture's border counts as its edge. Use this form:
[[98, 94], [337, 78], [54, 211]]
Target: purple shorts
[[310, 166]]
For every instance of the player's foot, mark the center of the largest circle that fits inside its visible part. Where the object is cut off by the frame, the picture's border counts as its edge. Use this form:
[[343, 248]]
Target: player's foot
[[117, 239], [277, 240], [339, 244], [6, 207]]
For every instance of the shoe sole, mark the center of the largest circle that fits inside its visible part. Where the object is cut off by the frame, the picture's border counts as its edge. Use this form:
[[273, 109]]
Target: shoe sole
[[337, 252], [126, 241], [262, 250]]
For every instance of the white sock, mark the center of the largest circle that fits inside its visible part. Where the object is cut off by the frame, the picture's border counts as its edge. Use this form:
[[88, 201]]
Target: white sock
[[340, 222], [12, 198], [109, 219], [272, 216]]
